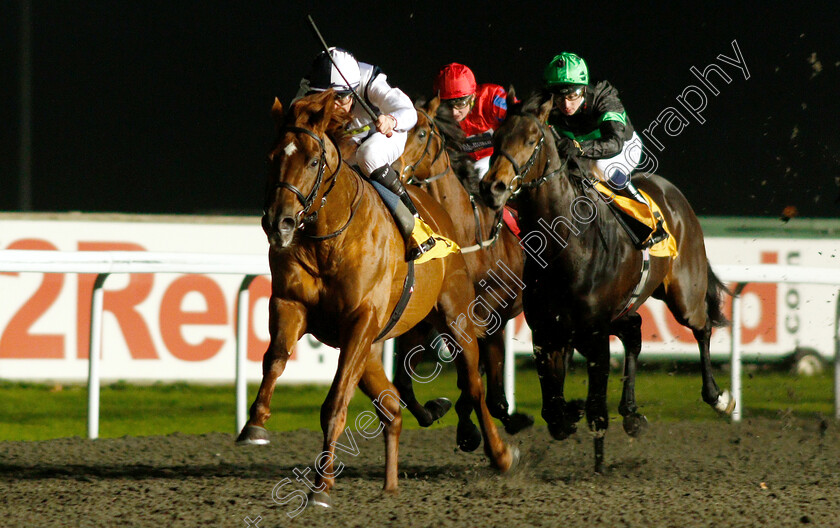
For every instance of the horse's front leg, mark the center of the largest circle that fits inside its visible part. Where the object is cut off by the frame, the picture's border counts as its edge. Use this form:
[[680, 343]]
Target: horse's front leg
[[492, 352], [355, 341], [629, 331], [597, 353], [551, 360], [286, 322]]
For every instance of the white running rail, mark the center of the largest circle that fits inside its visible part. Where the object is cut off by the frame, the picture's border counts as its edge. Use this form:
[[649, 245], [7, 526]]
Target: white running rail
[[104, 263]]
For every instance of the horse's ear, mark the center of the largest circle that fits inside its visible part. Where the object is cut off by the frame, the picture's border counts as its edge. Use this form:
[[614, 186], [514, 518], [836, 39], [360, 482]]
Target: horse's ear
[[277, 113], [511, 96], [545, 109], [326, 104], [433, 105]]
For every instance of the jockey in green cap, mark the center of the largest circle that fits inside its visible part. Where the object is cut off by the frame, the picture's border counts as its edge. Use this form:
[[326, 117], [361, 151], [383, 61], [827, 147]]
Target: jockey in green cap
[[592, 123]]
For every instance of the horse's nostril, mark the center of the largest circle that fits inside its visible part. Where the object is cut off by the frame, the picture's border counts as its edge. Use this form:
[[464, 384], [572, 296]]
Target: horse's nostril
[[287, 223], [498, 187]]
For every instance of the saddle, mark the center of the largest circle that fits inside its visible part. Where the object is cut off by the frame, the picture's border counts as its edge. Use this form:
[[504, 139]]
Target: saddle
[[641, 221]]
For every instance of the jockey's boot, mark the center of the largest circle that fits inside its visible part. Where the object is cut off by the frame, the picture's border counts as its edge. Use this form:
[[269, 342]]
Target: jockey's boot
[[404, 212], [659, 234]]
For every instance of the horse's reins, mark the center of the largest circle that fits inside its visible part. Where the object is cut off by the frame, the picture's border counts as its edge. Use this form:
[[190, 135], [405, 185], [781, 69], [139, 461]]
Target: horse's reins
[[494, 233]]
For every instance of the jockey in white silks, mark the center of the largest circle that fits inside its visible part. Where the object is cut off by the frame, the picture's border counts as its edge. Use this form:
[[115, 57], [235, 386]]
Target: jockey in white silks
[[381, 141]]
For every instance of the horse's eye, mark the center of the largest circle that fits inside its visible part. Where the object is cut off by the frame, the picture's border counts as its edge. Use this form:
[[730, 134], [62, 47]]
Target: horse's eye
[[314, 162], [422, 134]]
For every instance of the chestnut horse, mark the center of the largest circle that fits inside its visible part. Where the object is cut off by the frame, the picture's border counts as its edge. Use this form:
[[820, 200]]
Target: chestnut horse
[[494, 262], [337, 272], [582, 271]]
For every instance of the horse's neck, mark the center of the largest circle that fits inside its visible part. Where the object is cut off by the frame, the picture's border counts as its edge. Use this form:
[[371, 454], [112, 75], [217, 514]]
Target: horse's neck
[[455, 198], [568, 218], [339, 205]]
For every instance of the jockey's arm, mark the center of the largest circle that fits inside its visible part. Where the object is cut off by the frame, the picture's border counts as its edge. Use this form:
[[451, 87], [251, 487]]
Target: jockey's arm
[[613, 121], [393, 102], [608, 145]]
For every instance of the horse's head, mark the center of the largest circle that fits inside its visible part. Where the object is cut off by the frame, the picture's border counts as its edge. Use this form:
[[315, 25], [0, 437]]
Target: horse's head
[[523, 149], [302, 159], [424, 146]]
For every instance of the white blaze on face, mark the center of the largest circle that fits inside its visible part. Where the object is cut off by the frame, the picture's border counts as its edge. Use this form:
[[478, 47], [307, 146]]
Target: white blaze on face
[[290, 149]]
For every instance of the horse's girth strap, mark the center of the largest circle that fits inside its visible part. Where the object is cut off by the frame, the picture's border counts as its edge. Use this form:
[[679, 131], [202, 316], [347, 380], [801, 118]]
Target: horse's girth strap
[[637, 291], [408, 287]]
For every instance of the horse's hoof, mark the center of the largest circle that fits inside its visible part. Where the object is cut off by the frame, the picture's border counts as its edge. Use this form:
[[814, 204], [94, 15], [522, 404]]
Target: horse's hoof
[[391, 492], [518, 422], [437, 408], [725, 403], [561, 431], [635, 424], [574, 411], [320, 498], [515, 459], [252, 435], [469, 437]]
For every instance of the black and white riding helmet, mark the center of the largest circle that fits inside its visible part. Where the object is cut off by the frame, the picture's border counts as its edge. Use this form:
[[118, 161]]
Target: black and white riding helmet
[[325, 75]]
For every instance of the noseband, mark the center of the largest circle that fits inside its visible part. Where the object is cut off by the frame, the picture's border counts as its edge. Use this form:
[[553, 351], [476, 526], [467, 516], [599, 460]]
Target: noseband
[[520, 173], [307, 201]]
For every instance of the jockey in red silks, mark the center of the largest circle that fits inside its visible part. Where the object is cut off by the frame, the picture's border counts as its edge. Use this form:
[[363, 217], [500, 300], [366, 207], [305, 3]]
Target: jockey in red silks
[[479, 109]]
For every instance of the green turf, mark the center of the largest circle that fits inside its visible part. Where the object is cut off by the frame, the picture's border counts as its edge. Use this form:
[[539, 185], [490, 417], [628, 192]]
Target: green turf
[[38, 412]]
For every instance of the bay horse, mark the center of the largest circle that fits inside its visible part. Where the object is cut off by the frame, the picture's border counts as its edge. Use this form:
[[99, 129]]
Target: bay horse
[[337, 272], [494, 262], [581, 271]]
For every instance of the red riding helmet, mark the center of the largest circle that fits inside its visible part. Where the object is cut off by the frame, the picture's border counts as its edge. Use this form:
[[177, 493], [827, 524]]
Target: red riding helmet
[[454, 81]]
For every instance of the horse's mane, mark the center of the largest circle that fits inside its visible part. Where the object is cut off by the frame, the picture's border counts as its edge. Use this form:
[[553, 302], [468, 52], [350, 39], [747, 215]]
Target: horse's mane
[[449, 127], [462, 164], [311, 112]]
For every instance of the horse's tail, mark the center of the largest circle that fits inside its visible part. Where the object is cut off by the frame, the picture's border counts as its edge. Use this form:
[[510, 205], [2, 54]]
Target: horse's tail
[[714, 291]]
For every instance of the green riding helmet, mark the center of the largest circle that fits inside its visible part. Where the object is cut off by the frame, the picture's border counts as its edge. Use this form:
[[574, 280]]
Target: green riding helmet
[[566, 71]]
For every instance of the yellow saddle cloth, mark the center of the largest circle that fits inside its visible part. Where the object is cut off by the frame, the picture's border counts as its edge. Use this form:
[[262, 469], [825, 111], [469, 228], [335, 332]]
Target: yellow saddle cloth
[[645, 215], [442, 247]]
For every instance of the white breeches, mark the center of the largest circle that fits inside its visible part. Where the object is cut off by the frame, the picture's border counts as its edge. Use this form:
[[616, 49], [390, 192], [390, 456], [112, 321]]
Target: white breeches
[[625, 162], [379, 150]]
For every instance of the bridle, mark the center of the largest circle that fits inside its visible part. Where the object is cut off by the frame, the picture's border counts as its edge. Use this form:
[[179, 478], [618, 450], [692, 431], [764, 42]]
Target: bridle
[[304, 216], [520, 173], [433, 131]]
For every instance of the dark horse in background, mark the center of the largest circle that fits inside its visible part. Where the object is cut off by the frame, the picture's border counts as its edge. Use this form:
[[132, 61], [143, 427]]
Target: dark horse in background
[[494, 262], [337, 272], [579, 279]]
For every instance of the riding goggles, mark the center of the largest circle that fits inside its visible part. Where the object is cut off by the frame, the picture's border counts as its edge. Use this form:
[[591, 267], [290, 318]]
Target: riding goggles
[[459, 103], [570, 93], [343, 95]]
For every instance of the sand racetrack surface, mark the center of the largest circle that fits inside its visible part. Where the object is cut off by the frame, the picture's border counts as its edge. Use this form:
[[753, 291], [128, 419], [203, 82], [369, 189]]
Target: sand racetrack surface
[[762, 472]]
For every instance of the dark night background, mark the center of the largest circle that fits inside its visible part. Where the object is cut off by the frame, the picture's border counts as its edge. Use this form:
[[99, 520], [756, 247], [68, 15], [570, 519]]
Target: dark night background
[[163, 107]]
